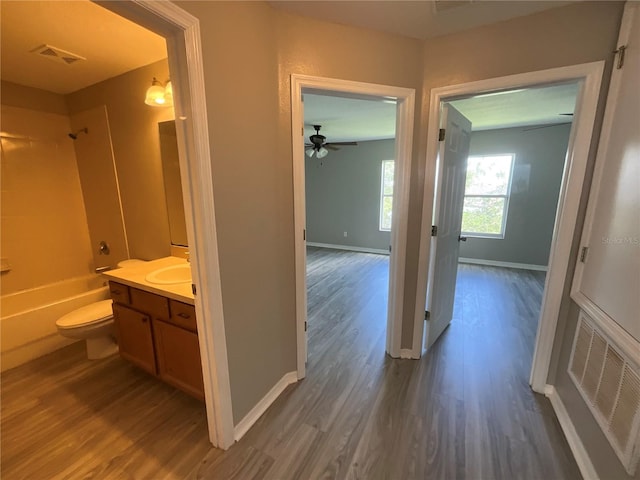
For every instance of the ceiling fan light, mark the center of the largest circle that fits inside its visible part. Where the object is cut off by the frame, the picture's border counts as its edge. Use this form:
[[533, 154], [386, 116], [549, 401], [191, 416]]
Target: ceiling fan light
[[322, 152], [309, 152]]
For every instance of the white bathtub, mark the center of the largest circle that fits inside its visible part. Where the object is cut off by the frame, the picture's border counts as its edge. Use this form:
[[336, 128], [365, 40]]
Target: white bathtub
[[28, 318]]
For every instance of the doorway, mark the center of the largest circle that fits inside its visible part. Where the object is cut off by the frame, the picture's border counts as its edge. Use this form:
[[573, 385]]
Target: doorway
[[404, 99], [515, 162], [349, 162], [588, 77], [182, 34]]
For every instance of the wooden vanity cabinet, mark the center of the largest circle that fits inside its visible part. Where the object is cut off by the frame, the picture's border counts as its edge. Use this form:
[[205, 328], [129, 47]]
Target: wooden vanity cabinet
[[135, 339], [158, 335], [178, 354]]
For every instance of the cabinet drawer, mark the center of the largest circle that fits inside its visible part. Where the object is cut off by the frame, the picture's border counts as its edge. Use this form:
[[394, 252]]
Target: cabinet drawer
[[119, 293], [154, 305], [183, 315]]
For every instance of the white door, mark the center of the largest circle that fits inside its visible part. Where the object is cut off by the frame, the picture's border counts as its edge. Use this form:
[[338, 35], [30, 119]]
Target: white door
[[607, 280], [447, 217]]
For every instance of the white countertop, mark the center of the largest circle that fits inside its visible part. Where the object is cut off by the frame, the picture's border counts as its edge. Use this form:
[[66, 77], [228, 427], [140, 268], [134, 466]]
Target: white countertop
[[135, 277]]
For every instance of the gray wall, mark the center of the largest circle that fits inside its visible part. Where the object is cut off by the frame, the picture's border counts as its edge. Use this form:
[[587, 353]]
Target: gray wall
[[343, 195], [532, 207]]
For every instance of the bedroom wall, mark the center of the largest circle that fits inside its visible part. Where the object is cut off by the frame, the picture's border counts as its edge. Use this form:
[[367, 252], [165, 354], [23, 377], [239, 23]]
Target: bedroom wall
[[539, 163], [343, 195]]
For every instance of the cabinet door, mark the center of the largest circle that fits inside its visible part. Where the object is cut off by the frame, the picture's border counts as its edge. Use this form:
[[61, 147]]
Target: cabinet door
[[135, 340], [178, 354]]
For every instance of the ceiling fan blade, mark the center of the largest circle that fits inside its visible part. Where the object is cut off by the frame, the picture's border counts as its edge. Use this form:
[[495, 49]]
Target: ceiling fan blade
[[353, 144], [566, 114], [329, 146], [308, 145], [543, 126]]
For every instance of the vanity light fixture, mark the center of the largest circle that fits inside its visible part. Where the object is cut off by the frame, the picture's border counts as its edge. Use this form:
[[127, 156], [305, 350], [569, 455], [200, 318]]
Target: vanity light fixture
[[159, 95]]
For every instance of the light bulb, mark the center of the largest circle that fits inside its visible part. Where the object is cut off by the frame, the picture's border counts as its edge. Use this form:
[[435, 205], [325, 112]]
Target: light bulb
[[309, 152], [322, 152], [155, 94]]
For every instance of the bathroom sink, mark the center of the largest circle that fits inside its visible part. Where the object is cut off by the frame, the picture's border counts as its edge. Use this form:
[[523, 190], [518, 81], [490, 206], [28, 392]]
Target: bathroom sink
[[170, 275]]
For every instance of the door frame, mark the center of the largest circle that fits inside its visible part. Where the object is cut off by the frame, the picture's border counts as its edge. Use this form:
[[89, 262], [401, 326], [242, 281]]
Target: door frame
[[182, 33], [590, 77], [405, 98]]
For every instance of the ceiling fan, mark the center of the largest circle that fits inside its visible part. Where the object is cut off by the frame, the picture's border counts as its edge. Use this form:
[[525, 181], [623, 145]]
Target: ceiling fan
[[320, 146], [551, 125]]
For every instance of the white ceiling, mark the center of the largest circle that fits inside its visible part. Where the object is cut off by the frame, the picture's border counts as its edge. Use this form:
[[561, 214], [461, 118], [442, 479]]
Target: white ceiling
[[111, 44], [533, 106], [418, 19], [347, 119]]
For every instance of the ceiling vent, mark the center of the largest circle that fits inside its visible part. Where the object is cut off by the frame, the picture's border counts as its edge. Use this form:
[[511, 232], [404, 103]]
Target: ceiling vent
[[57, 54], [610, 384], [446, 5]]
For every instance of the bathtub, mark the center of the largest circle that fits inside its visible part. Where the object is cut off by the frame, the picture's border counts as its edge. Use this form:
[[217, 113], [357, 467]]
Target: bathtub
[[28, 318]]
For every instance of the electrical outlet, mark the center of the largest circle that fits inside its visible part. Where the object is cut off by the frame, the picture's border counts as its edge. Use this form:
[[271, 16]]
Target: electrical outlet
[[345, 234]]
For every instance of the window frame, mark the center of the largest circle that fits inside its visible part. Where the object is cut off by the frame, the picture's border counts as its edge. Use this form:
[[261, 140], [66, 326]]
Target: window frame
[[383, 196], [506, 196]]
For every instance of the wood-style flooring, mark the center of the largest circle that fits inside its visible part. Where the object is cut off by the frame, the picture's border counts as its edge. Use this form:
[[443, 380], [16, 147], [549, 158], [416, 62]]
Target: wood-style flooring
[[464, 411]]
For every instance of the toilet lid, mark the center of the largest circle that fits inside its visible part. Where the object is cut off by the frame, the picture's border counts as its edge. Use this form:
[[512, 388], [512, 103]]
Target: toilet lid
[[92, 313]]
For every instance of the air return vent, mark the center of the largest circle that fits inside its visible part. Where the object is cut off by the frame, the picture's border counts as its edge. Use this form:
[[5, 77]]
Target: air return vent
[[610, 384], [57, 54]]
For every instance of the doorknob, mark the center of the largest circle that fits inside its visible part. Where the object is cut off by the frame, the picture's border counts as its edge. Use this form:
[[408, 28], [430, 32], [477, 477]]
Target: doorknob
[[461, 238]]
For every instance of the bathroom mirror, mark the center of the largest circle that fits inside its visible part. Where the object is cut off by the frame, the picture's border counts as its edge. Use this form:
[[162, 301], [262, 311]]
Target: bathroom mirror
[[172, 185]]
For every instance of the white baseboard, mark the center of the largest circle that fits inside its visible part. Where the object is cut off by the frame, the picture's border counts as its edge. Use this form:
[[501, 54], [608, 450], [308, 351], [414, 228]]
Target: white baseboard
[[408, 353], [495, 263], [573, 439], [256, 412], [348, 247]]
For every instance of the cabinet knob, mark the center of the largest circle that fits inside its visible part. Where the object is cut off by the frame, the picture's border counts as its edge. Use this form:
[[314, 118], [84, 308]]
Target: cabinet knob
[[184, 315]]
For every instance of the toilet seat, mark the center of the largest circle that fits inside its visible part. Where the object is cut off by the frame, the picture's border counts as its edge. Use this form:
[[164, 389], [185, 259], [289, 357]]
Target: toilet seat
[[88, 315]]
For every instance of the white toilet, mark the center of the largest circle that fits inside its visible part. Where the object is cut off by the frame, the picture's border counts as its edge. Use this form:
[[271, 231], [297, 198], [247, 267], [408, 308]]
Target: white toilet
[[94, 324]]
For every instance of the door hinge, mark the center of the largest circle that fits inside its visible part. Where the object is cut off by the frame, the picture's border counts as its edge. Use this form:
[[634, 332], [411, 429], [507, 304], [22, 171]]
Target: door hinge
[[434, 230], [193, 288], [583, 254], [302, 130], [389, 248], [441, 134], [427, 314], [620, 51], [305, 326], [304, 234]]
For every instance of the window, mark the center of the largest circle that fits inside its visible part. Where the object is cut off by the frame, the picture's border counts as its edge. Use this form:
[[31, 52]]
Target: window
[[386, 195], [486, 195]]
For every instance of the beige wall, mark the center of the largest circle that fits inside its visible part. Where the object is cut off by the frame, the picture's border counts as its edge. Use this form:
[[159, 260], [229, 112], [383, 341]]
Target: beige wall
[[136, 149], [32, 98], [249, 51], [579, 33], [44, 229], [252, 184]]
